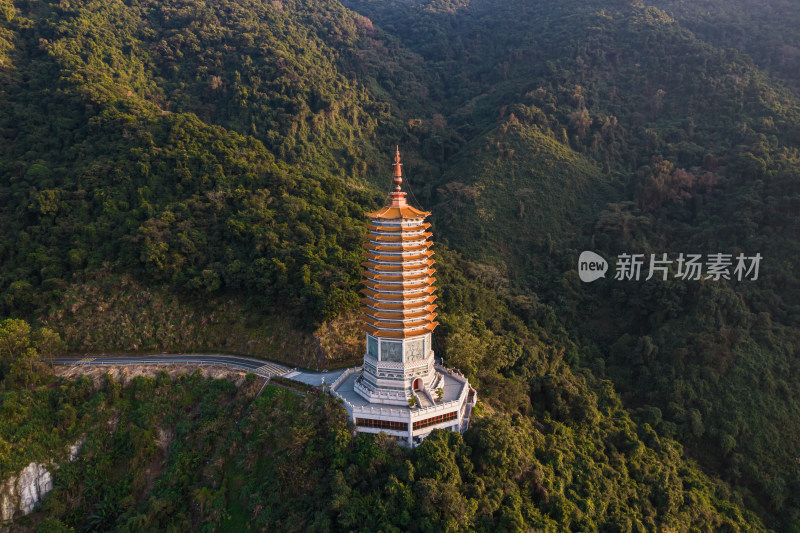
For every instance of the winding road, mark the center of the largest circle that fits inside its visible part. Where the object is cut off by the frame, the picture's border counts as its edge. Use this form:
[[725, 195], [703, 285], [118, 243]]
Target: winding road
[[257, 366]]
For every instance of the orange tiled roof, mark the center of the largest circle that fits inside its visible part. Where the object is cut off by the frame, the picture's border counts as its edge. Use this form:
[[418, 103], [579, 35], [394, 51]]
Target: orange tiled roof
[[372, 294], [377, 295], [395, 326], [405, 288], [399, 229], [398, 277], [400, 248], [393, 213], [401, 318], [401, 305], [372, 330], [397, 238], [401, 315], [397, 259], [386, 298], [398, 267]]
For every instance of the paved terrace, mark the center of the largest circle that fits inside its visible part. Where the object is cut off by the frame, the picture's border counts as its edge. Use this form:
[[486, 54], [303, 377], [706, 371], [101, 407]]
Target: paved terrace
[[451, 387]]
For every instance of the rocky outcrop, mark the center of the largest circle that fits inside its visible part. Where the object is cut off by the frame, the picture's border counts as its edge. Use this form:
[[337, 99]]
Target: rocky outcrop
[[75, 449], [20, 494]]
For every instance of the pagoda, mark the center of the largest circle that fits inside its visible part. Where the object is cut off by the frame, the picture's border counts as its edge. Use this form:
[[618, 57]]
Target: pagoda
[[400, 390]]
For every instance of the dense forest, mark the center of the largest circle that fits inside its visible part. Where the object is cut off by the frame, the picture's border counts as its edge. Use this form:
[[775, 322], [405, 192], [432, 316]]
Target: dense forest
[[197, 454], [205, 166]]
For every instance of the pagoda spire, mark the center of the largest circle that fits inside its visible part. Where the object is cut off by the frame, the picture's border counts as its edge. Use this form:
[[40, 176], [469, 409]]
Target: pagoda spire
[[397, 198], [398, 172]]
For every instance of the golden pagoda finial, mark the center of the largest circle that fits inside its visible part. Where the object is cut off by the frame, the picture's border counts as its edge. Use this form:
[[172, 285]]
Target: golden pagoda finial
[[397, 198], [398, 173]]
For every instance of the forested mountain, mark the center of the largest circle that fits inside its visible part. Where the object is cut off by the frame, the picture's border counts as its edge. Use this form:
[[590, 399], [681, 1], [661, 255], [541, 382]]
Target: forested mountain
[[220, 155], [701, 148], [767, 31]]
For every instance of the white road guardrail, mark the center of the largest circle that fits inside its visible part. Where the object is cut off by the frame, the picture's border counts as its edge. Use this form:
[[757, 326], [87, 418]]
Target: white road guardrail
[[173, 362]]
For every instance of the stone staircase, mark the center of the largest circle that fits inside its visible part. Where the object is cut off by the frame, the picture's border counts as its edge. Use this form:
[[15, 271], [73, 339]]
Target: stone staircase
[[424, 399], [272, 369]]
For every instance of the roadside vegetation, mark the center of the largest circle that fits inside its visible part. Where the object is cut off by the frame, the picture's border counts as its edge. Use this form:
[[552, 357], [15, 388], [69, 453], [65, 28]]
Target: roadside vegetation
[[197, 454]]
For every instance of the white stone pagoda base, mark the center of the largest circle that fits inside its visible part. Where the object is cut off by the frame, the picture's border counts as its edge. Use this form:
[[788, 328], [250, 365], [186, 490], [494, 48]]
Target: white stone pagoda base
[[451, 412]]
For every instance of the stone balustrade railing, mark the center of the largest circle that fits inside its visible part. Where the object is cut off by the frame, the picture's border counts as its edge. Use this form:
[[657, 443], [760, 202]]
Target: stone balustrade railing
[[344, 376], [413, 414]]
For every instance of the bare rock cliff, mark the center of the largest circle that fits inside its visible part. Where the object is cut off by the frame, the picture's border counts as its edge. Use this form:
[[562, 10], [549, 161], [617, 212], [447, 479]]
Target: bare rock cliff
[[20, 494]]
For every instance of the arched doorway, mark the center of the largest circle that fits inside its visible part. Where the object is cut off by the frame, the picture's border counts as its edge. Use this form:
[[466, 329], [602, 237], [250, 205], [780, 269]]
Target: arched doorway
[[417, 384]]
